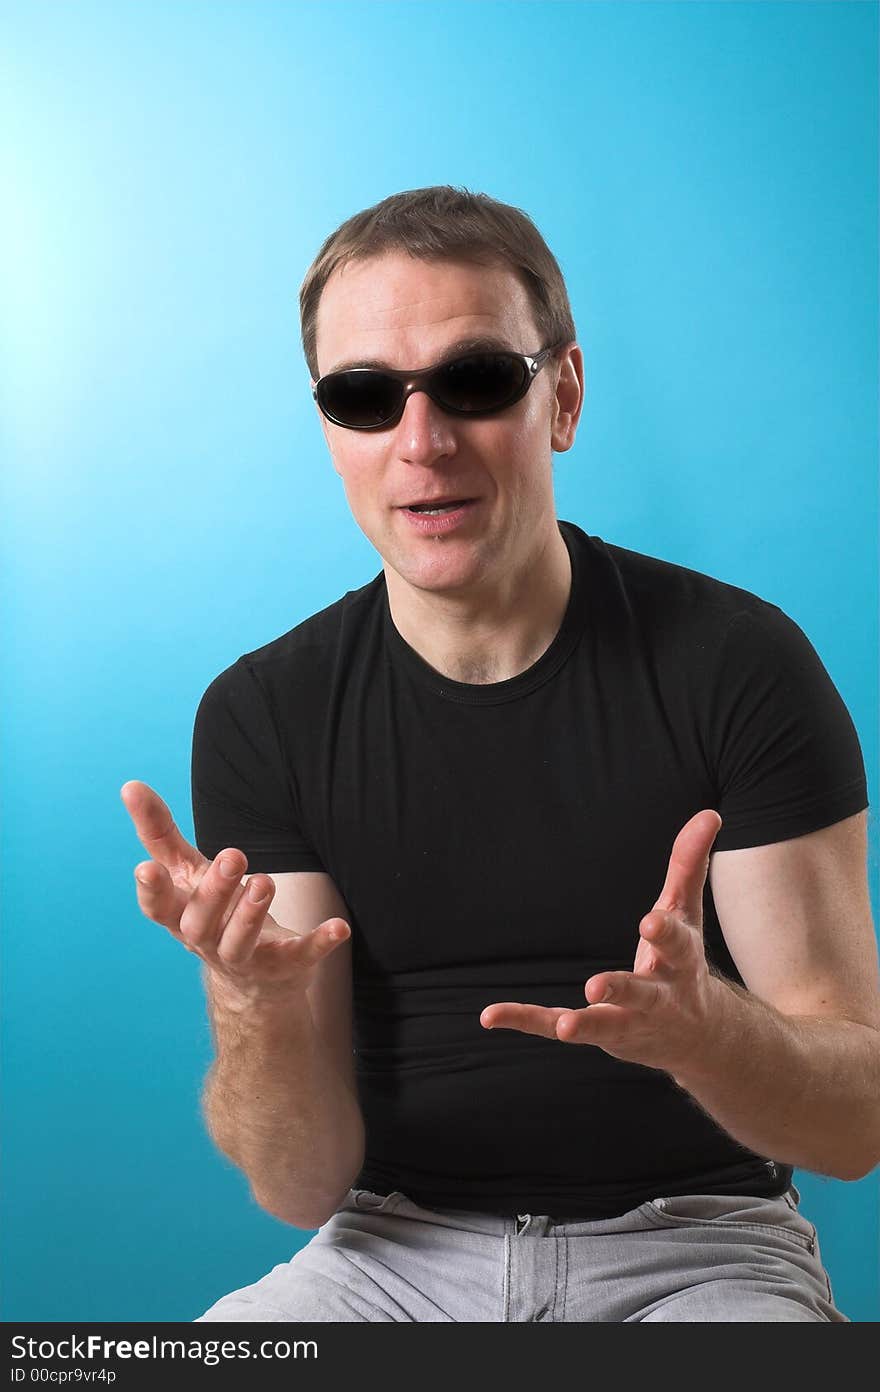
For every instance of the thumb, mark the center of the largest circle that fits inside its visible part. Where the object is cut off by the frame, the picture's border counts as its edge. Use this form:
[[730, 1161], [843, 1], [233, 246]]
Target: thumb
[[156, 828], [689, 865]]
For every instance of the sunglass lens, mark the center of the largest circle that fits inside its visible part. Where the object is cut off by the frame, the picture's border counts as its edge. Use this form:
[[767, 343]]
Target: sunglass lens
[[479, 382], [360, 398], [482, 382]]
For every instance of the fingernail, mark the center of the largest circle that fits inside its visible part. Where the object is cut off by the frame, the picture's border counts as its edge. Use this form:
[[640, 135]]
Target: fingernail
[[229, 867]]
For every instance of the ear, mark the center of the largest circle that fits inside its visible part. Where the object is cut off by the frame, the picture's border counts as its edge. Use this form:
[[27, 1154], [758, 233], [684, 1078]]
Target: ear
[[568, 398]]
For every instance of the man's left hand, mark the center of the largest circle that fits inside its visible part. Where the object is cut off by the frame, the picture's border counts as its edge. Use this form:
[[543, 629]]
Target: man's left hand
[[659, 1013]]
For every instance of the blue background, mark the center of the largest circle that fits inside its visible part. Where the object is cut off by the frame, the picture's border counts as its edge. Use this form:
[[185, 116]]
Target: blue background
[[706, 175]]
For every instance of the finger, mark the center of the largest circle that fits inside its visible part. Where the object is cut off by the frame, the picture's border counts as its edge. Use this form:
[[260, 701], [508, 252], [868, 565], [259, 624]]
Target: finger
[[672, 941], [623, 988], [307, 949], [689, 865], [597, 1024], [531, 1019], [158, 897], [156, 828], [209, 907], [239, 934]]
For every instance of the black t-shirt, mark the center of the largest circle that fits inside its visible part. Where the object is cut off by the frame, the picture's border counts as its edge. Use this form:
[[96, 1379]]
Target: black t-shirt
[[504, 841]]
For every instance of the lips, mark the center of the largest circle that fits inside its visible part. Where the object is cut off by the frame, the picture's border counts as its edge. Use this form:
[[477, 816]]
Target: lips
[[443, 520]]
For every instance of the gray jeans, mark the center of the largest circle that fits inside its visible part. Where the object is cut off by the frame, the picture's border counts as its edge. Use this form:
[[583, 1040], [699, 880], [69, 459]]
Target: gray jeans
[[697, 1257]]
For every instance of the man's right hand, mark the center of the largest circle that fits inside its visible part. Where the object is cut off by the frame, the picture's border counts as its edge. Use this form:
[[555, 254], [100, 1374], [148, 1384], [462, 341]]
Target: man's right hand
[[249, 956]]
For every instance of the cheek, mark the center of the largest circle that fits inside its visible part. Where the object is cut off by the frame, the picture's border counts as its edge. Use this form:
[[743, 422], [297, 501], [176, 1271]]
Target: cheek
[[358, 470], [525, 466], [509, 448], [527, 432]]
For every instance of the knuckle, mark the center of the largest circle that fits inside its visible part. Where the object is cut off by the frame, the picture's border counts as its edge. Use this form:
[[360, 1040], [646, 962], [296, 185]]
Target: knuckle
[[191, 930], [179, 934], [217, 887], [227, 952], [155, 913]]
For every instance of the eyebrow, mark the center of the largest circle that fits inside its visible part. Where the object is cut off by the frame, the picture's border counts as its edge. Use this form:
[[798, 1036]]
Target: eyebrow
[[464, 345]]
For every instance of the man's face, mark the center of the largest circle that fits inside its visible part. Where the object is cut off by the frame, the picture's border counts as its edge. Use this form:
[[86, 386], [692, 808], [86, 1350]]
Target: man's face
[[406, 313]]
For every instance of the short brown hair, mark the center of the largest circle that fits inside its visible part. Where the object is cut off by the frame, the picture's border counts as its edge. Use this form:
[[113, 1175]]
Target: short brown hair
[[436, 224]]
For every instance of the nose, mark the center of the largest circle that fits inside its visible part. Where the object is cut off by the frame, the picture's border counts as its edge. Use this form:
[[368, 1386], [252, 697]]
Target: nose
[[425, 431]]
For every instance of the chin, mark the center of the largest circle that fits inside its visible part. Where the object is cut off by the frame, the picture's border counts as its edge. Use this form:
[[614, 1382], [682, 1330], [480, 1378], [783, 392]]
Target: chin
[[443, 574]]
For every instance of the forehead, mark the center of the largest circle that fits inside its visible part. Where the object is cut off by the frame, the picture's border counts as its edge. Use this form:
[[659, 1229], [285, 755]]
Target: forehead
[[404, 312]]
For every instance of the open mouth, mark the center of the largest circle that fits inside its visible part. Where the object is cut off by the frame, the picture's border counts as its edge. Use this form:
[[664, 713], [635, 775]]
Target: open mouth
[[438, 509]]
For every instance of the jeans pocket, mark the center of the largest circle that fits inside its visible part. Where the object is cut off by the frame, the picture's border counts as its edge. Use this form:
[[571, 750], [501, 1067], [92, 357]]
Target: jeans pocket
[[367, 1200], [739, 1216]]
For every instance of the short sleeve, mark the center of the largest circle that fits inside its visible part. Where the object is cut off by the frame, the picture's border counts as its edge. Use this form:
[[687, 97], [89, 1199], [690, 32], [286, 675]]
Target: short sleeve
[[242, 795], [786, 752]]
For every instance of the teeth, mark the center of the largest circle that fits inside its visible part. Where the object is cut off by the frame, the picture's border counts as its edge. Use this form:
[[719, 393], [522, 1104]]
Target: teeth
[[434, 512]]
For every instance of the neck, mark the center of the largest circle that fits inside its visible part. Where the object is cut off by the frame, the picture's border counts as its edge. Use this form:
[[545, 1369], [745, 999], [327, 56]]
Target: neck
[[496, 634]]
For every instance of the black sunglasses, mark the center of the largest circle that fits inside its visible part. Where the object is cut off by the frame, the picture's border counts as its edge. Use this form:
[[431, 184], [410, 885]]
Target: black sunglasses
[[478, 383]]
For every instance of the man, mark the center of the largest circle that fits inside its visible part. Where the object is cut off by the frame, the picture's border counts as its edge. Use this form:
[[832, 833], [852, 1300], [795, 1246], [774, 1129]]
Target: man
[[459, 789]]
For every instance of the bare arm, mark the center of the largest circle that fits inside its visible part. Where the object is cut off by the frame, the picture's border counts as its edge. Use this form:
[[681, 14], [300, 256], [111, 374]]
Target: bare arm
[[281, 1099], [805, 1035], [801, 1088]]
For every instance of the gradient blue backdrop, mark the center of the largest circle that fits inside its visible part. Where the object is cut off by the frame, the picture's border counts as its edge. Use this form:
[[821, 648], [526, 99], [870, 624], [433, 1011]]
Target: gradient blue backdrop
[[706, 175]]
